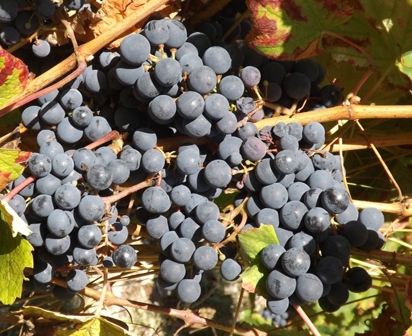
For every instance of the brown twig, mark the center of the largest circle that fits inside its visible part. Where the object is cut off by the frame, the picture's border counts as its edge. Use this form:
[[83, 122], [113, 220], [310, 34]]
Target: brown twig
[[351, 112]]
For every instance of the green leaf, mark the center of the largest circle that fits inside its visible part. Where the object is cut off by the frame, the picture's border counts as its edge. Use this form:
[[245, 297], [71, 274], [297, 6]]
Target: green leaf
[[14, 77], [94, 327], [252, 242], [10, 165], [15, 256]]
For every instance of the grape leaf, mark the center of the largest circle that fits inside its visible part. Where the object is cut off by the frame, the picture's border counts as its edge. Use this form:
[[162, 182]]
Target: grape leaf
[[293, 29], [15, 256], [78, 324], [252, 242], [14, 77], [346, 33], [16, 224], [10, 165], [93, 327]]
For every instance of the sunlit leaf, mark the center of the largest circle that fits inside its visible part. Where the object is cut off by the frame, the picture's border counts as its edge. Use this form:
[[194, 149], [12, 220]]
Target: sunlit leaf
[[355, 36], [10, 165], [294, 29], [13, 220], [14, 76], [94, 327], [15, 256]]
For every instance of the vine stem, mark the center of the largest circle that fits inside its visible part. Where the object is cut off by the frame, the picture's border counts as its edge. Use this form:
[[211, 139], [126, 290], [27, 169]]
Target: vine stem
[[85, 51], [237, 229], [344, 112], [359, 143], [400, 209], [19, 188], [384, 256], [307, 320], [113, 135], [189, 317]]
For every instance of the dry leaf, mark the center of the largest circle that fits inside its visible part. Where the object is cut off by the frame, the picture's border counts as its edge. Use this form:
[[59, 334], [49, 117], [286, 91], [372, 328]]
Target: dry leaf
[[11, 140], [113, 11]]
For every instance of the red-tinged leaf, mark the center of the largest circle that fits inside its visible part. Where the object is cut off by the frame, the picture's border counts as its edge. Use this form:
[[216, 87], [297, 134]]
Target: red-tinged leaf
[[10, 165], [353, 37], [293, 29], [14, 76]]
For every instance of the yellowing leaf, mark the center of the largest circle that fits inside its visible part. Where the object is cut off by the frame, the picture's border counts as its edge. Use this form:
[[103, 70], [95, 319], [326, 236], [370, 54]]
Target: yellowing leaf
[[252, 242], [15, 256], [10, 165], [14, 77], [94, 327], [13, 220]]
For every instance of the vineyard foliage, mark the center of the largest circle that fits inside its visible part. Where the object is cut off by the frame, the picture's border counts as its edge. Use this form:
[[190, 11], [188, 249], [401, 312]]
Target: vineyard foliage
[[366, 49]]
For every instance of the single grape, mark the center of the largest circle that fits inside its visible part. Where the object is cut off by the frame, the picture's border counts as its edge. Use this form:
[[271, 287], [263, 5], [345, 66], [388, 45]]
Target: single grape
[[76, 280], [124, 256]]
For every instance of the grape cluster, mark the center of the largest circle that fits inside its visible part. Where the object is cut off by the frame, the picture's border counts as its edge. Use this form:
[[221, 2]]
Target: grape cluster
[[277, 320], [20, 19], [163, 83], [298, 189]]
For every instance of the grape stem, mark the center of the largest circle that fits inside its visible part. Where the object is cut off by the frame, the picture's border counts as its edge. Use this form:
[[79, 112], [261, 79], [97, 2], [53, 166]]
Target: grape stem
[[115, 197], [19, 188], [237, 229], [307, 320], [187, 316], [113, 135]]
